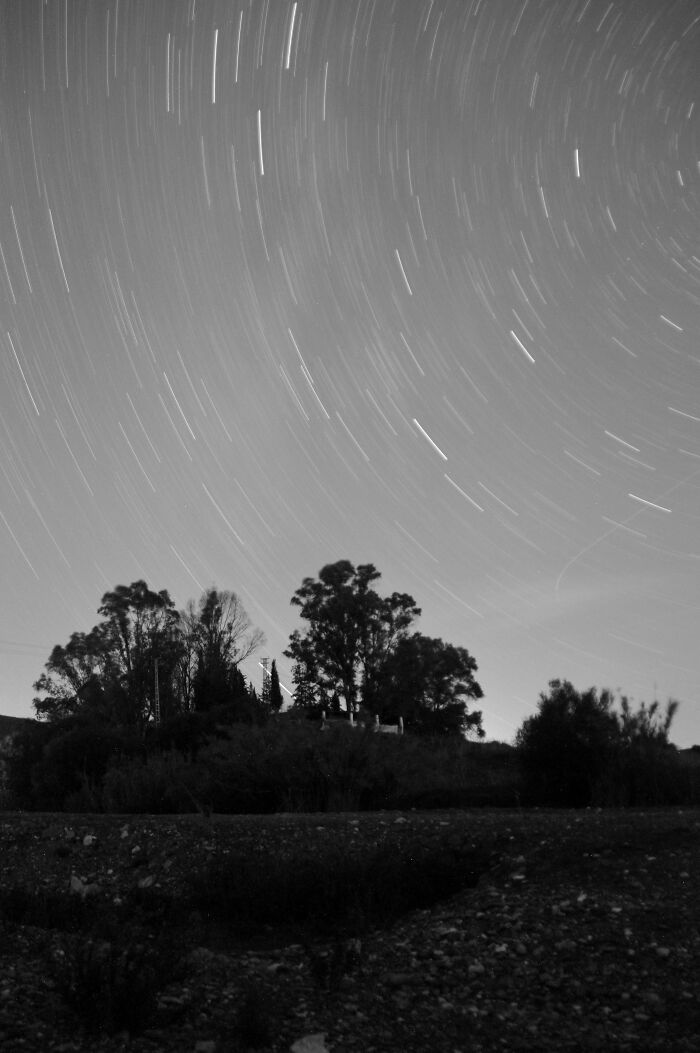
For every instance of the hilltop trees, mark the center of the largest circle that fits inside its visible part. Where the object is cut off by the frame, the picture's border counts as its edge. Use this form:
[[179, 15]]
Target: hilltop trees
[[350, 631], [427, 682], [357, 649], [109, 674], [216, 636]]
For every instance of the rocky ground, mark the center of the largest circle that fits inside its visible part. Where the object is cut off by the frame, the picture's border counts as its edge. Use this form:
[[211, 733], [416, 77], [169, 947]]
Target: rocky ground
[[582, 933]]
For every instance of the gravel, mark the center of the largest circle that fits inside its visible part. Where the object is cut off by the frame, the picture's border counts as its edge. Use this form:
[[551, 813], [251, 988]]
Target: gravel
[[582, 934]]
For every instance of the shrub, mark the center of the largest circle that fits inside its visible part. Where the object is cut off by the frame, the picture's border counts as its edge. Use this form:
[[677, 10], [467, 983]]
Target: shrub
[[578, 751], [60, 766], [252, 1025], [112, 984], [338, 891], [42, 908], [164, 783]]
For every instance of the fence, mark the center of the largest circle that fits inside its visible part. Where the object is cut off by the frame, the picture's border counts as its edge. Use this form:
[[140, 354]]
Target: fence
[[385, 729]]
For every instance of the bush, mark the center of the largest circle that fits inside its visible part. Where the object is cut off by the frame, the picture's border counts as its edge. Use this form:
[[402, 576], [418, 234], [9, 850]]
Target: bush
[[60, 766], [285, 766], [42, 909], [338, 891], [162, 784], [252, 1025], [112, 984], [577, 751]]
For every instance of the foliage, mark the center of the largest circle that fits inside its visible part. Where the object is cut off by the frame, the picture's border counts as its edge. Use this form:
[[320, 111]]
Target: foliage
[[426, 681], [42, 908], [577, 750], [276, 699], [252, 1025], [339, 891], [111, 672], [357, 648], [62, 765], [350, 629], [200, 763], [217, 636], [112, 984]]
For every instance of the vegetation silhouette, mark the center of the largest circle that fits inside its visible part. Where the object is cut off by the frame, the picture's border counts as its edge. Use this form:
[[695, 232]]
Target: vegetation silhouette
[[150, 712]]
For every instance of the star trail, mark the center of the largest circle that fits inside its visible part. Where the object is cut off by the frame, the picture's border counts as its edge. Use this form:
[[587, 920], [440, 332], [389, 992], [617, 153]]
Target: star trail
[[410, 282]]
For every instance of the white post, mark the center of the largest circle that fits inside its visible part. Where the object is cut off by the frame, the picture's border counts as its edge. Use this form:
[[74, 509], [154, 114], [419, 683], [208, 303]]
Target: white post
[[400, 725]]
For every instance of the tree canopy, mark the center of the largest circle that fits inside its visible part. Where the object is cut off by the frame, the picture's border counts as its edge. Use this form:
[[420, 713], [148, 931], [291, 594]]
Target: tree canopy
[[357, 649], [110, 673]]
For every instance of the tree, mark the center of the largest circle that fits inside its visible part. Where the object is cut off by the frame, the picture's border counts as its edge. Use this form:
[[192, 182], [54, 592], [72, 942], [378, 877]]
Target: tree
[[140, 628], [72, 674], [217, 636], [577, 750], [427, 682], [351, 629], [110, 672], [308, 693], [276, 699]]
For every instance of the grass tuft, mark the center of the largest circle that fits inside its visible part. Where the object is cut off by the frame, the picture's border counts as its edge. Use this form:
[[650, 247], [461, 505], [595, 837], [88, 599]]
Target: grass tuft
[[112, 985]]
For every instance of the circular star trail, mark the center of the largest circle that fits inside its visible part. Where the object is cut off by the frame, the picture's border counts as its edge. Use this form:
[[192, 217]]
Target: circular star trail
[[413, 283]]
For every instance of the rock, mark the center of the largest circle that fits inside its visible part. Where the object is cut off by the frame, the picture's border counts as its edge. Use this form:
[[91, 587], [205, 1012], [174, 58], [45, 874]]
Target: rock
[[399, 979], [83, 888], [310, 1044], [147, 881], [205, 1045], [89, 841], [77, 885], [663, 952]]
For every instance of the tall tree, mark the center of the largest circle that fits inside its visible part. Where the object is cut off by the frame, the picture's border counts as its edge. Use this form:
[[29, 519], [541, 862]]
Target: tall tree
[[276, 699], [217, 635], [110, 671], [349, 629], [142, 628]]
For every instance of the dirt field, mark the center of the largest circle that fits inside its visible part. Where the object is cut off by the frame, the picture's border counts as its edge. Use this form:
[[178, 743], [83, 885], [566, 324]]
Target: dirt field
[[583, 933]]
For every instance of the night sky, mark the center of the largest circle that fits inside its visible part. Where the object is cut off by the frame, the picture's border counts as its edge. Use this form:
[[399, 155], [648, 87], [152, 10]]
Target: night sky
[[414, 283]]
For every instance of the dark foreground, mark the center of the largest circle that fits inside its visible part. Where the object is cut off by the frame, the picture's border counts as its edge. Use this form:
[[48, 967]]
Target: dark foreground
[[580, 931]]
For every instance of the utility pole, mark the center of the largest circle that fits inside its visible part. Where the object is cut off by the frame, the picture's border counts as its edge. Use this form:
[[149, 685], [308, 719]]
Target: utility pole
[[157, 694]]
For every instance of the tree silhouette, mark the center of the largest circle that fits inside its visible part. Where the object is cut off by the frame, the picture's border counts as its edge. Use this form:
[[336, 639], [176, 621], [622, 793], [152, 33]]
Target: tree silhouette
[[358, 647], [350, 630], [427, 682], [110, 672], [578, 750], [276, 699]]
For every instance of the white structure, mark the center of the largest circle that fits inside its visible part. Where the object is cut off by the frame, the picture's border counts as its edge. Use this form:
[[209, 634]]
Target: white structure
[[386, 729]]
